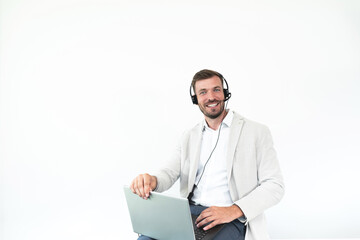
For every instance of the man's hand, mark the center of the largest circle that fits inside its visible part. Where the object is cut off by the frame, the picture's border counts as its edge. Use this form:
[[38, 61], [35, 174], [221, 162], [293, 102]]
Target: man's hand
[[218, 215], [143, 184]]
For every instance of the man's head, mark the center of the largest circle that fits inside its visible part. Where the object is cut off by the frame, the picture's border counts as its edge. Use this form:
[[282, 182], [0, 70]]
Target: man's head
[[209, 91]]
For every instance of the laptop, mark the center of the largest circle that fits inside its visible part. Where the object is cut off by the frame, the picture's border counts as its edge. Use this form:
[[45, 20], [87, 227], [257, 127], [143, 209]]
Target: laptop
[[165, 217]]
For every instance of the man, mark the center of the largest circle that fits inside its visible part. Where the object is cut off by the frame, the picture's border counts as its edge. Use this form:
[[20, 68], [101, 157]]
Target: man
[[226, 164]]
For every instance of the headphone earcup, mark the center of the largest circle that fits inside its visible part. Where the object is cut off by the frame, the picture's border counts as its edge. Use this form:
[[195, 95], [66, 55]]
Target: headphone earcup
[[194, 99], [226, 94]]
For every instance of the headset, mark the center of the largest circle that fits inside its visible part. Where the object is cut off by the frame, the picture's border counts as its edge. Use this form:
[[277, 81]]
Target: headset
[[227, 94]]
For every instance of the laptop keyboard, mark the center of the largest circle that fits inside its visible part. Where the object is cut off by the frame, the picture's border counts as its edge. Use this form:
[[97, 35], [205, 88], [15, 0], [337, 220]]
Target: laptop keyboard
[[208, 234], [199, 233]]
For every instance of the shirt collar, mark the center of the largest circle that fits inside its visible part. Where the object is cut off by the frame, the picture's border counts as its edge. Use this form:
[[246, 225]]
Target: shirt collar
[[226, 122], [228, 119]]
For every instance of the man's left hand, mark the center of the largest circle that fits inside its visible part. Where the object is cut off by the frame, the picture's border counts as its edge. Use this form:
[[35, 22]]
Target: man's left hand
[[218, 215]]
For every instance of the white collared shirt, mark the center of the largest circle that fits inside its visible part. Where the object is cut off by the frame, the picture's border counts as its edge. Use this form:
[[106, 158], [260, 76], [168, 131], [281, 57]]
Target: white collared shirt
[[213, 188]]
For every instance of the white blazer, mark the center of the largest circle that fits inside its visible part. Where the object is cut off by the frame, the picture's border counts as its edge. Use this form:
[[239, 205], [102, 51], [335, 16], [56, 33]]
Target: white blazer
[[254, 176]]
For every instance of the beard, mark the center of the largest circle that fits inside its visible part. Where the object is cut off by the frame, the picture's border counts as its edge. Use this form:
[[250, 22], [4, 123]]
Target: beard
[[212, 113]]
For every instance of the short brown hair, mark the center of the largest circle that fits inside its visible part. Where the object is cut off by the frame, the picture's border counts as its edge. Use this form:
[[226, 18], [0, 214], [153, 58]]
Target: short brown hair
[[205, 74]]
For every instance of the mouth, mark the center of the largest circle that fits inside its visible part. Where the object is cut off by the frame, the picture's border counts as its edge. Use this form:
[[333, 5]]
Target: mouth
[[212, 105]]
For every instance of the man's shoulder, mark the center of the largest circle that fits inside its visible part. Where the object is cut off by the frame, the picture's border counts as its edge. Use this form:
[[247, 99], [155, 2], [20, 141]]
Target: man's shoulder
[[248, 123], [195, 129]]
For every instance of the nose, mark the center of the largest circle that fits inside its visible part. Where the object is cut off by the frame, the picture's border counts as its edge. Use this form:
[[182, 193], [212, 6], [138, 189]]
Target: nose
[[211, 96]]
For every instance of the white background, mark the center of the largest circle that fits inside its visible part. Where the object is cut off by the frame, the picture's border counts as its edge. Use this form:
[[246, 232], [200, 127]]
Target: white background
[[94, 92]]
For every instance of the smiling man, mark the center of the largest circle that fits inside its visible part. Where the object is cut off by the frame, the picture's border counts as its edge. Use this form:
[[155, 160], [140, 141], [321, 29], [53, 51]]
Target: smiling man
[[227, 166], [210, 97]]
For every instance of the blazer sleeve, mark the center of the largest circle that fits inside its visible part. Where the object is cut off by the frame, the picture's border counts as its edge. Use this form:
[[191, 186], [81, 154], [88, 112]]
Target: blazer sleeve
[[270, 188], [170, 172]]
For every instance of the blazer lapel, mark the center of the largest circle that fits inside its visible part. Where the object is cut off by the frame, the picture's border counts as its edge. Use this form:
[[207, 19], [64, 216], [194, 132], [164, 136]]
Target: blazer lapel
[[235, 131]]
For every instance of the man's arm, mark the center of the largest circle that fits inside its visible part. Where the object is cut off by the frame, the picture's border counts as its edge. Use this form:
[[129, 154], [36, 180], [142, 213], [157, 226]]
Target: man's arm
[[143, 184], [159, 181], [270, 187]]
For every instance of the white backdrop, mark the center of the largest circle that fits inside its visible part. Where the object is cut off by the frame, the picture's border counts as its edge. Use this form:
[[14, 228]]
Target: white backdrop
[[94, 92]]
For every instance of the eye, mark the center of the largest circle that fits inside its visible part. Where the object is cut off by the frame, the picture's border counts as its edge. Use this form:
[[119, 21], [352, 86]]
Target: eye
[[202, 92], [217, 90]]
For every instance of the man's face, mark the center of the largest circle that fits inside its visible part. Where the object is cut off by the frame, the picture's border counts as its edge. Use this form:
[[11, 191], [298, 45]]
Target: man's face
[[210, 96]]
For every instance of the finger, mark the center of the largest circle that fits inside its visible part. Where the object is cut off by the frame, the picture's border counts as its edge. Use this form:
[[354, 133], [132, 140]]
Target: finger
[[147, 187], [204, 214], [205, 221], [209, 226], [136, 188], [141, 186], [199, 219], [132, 187]]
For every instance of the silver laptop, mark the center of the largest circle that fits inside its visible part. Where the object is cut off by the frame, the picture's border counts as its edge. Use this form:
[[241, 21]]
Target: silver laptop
[[164, 217]]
